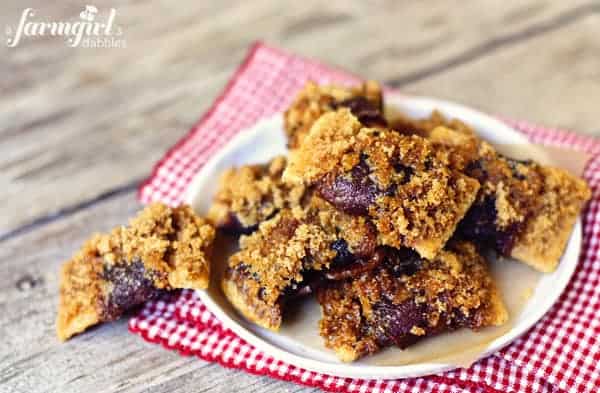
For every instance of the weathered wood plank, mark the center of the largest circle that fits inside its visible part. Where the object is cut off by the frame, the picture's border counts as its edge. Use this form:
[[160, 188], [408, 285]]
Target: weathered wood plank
[[73, 118], [553, 79]]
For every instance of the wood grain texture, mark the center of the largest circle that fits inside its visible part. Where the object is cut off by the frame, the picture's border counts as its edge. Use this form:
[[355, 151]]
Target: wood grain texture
[[81, 127], [74, 118]]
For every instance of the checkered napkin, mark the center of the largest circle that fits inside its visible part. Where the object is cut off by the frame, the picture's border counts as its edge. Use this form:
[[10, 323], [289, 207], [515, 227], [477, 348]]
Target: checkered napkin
[[560, 353]]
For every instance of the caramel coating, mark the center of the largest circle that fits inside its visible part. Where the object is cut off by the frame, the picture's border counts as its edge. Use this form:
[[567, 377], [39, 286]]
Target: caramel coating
[[384, 307]]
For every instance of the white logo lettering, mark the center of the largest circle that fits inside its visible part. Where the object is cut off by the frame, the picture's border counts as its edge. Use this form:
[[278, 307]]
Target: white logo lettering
[[90, 31]]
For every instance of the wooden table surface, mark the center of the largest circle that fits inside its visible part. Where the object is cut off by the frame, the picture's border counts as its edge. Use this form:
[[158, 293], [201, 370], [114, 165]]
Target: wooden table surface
[[81, 127]]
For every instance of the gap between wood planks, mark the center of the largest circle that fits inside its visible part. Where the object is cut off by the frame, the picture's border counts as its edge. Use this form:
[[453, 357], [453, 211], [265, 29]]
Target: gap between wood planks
[[452, 62], [70, 210], [497, 43]]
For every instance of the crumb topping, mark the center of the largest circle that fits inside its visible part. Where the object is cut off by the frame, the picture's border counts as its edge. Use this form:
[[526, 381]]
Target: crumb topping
[[523, 209], [251, 194], [161, 248], [563, 197], [297, 241], [314, 100], [546, 233], [424, 126], [174, 243], [514, 185], [400, 182], [277, 253], [381, 308]]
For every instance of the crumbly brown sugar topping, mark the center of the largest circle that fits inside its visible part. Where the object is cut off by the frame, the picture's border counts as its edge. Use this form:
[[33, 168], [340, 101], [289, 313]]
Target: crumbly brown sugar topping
[[251, 194], [277, 252], [382, 308], [400, 181], [161, 248], [424, 126], [546, 233], [520, 211], [313, 100], [173, 241], [297, 241]]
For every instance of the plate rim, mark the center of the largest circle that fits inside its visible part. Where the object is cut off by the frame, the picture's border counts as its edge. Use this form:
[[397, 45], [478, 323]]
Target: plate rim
[[358, 370]]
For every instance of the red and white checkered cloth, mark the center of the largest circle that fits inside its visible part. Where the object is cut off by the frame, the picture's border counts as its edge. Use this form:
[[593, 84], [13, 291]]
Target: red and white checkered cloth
[[561, 353]]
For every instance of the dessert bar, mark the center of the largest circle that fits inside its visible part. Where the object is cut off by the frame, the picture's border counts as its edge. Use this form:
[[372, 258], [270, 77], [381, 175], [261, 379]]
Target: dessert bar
[[523, 210], [291, 253], [546, 231], [399, 182], [408, 298], [251, 194], [162, 248]]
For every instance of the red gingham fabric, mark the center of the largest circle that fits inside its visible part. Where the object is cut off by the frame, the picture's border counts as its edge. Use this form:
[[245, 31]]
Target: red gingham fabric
[[560, 353]]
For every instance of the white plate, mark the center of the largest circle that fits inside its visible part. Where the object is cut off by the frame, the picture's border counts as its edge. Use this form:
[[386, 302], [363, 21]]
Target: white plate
[[265, 140]]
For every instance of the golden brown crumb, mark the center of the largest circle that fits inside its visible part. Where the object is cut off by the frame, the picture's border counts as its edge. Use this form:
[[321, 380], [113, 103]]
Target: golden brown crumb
[[272, 261], [524, 210], [387, 307], [250, 194], [314, 100], [423, 127], [547, 231], [406, 188], [162, 248]]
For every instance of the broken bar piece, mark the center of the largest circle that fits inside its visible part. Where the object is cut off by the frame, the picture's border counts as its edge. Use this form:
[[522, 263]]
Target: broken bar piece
[[399, 182], [251, 194], [523, 209], [291, 253], [400, 304], [161, 249]]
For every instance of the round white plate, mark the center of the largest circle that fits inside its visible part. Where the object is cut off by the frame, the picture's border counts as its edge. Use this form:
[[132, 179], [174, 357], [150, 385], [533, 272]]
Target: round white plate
[[266, 140]]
